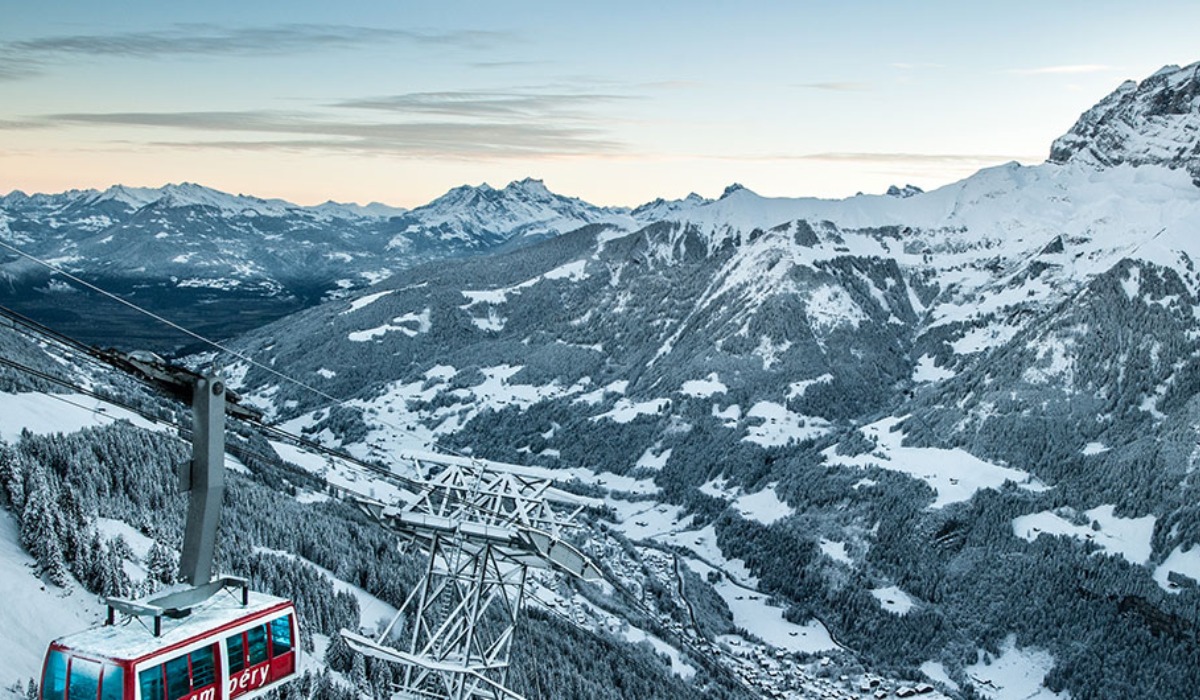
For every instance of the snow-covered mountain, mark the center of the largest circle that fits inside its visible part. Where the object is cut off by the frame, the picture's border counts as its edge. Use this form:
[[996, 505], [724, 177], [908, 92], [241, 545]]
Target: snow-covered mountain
[[947, 425], [947, 433], [1153, 122], [481, 217], [185, 247]]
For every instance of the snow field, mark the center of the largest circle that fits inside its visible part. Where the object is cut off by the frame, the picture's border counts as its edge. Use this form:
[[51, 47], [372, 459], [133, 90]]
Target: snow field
[[1126, 537], [894, 600], [1183, 561], [1016, 674], [752, 612], [780, 426], [372, 610], [43, 414], [955, 475]]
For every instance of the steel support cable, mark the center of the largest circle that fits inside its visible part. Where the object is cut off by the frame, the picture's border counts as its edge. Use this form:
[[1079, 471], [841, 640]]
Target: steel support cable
[[165, 321], [192, 334], [237, 451]]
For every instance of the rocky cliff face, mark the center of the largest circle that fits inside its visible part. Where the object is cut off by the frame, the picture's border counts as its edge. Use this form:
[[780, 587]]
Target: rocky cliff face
[[1154, 122]]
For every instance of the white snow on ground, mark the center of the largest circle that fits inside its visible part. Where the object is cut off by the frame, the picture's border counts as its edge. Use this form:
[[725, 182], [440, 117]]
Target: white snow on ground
[[927, 371], [894, 600], [830, 307], [573, 271], [704, 388], [652, 460], [371, 609], [337, 473], [42, 414], [395, 427], [409, 324], [492, 322], [937, 673], [138, 543], [730, 415], [835, 551], [596, 396], [1127, 537], [365, 300], [954, 474], [986, 338], [752, 612], [640, 520], [797, 389], [1183, 561], [718, 488], [625, 410], [1016, 674], [585, 613], [763, 506], [1095, 448], [780, 426], [34, 613], [327, 373], [678, 666]]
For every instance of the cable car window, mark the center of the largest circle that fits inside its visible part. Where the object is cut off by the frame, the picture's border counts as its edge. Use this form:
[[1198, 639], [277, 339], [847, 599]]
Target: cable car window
[[178, 683], [54, 682], [281, 636], [256, 644], [202, 667], [113, 687], [151, 681], [235, 651], [85, 680]]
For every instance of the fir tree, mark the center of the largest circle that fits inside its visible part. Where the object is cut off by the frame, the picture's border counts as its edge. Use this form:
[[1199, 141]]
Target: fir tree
[[39, 534], [160, 564]]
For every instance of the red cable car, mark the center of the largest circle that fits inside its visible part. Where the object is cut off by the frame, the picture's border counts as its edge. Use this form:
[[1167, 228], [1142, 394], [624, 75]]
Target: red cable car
[[223, 649], [213, 646]]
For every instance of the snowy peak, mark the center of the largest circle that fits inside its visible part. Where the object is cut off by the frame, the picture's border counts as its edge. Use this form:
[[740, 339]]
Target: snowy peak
[[524, 208], [1154, 122], [529, 187], [660, 208], [904, 192], [733, 189]]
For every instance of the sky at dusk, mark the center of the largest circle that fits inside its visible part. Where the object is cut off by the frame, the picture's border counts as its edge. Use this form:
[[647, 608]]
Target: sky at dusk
[[615, 102]]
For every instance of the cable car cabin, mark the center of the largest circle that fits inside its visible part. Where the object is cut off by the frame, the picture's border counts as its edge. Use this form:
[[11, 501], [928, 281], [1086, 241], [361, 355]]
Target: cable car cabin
[[222, 650]]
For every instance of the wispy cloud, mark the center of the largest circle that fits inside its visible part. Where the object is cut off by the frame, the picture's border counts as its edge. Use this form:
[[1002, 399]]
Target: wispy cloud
[[29, 57], [837, 86], [916, 66], [449, 124], [487, 104], [1064, 70], [508, 64]]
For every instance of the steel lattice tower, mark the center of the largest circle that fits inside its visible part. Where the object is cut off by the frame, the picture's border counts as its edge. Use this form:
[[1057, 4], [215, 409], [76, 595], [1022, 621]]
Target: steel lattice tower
[[482, 525]]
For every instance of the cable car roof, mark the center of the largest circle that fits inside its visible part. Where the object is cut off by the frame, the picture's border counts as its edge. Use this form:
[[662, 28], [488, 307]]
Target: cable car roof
[[131, 640]]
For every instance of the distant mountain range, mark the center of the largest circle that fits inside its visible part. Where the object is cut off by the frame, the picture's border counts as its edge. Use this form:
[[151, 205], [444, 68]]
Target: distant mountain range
[[185, 248]]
